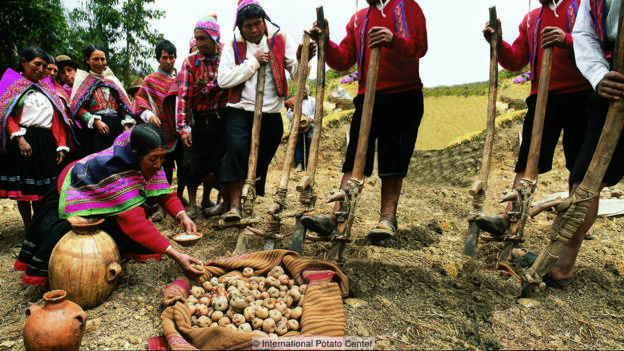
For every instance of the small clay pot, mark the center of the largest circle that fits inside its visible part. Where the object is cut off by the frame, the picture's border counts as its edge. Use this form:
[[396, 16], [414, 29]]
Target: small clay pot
[[57, 325]]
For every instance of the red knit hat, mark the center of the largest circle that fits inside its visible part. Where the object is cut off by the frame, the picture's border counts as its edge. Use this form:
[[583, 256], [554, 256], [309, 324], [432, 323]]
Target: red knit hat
[[243, 3]]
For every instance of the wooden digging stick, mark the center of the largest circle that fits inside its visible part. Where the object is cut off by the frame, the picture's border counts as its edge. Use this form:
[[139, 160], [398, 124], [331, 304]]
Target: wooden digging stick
[[349, 194], [279, 199], [248, 195], [568, 222], [523, 194], [480, 185], [305, 187]]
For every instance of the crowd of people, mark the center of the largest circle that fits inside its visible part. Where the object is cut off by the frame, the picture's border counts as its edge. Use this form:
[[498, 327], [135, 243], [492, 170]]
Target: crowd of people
[[75, 142]]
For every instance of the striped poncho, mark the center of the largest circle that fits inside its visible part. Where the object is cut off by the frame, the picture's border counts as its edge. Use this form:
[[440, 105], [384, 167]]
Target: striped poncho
[[150, 97]]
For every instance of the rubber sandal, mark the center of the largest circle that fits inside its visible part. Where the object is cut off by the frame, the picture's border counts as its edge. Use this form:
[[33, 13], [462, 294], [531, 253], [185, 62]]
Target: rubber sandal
[[384, 230], [525, 260], [320, 224], [493, 225], [192, 212], [589, 235], [233, 215], [213, 210], [557, 283], [157, 217]]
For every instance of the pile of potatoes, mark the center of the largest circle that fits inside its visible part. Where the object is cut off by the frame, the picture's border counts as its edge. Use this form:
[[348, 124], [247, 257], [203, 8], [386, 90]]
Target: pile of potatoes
[[264, 306]]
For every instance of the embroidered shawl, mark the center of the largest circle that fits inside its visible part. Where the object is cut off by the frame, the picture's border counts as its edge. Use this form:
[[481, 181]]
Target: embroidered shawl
[[13, 87], [151, 96], [108, 183], [86, 83]]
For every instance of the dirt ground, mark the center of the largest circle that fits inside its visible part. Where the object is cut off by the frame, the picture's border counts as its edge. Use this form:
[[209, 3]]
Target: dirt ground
[[414, 292]]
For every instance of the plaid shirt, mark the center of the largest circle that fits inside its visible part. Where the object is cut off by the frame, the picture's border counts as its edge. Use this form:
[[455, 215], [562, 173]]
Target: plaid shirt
[[199, 90]]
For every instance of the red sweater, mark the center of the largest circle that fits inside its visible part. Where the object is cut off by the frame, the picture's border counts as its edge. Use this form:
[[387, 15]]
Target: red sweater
[[564, 76], [134, 222], [398, 66]]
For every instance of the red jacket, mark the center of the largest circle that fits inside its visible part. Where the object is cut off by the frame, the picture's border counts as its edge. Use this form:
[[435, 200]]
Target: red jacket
[[564, 76], [398, 66]]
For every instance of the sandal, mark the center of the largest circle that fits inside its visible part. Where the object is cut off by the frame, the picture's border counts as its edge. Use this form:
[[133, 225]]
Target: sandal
[[233, 215], [213, 210], [525, 260], [192, 212], [494, 225], [157, 217], [320, 224], [384, 230], [557, 283]]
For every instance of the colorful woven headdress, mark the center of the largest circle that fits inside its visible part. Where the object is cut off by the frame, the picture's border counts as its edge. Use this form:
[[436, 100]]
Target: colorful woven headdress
[[210, 25], [192, 42]]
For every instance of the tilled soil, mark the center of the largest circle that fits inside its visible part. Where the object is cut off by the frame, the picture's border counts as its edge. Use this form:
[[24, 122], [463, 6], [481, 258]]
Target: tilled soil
[[415, 291]]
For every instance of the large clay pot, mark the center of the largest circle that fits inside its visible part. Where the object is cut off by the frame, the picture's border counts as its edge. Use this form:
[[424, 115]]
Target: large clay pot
[[85, 263], [57, 325]]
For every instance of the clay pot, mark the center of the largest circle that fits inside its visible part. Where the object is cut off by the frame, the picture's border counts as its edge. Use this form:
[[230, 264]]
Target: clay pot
[[85, 263], [57, 325]]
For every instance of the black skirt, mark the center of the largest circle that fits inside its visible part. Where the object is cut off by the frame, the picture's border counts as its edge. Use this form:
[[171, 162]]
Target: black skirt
[[29, 178], [47, 229], [91, 141]]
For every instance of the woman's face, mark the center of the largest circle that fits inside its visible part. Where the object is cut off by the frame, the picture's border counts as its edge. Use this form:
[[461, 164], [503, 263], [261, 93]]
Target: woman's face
[[97, 61], [67, 74], [34, 70], [51, 71], [152, 162]]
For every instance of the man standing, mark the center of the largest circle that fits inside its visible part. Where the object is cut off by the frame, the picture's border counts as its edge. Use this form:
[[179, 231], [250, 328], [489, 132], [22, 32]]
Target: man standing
[[568, 92], [304, 138], [148, 104], [201, 94], [253, 46], [398, 27], [594, 41]]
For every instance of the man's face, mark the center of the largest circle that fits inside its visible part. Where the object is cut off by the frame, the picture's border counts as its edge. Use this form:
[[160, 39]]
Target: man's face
[[67, 74], [253, 29], [167, 61], [204, 42]]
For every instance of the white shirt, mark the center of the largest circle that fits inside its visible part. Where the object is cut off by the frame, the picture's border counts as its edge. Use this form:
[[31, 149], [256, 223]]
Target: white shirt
[[231, 74], [590, 58], [37, 112], [307, 108]]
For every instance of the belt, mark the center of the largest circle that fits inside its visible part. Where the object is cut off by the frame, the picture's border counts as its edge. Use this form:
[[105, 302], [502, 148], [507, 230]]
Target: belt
[[205, 115]]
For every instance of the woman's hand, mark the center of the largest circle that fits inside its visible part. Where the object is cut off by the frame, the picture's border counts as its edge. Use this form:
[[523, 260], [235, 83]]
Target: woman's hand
[[24, 147], [155, 121], [60, 156], [185, 261], [187, 223], [101, 127]]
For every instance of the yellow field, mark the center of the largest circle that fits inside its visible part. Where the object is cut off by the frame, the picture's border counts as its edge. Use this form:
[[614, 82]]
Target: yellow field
[[448, 117]]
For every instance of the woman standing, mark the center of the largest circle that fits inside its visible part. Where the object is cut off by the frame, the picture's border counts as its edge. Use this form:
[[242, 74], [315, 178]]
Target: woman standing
[[34, 132], [99, 104], [112, 183]]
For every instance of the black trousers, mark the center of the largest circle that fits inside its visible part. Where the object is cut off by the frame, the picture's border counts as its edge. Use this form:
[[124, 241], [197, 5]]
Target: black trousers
[[238, 135]]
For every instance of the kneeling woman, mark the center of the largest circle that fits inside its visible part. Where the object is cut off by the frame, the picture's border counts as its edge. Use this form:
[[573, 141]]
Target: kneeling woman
[[112, 183]]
